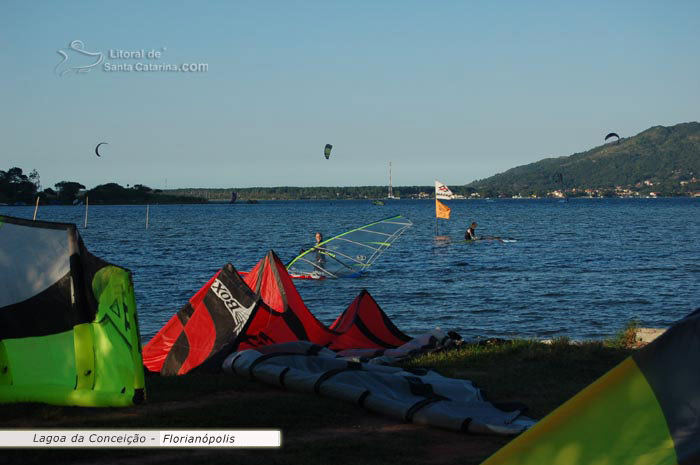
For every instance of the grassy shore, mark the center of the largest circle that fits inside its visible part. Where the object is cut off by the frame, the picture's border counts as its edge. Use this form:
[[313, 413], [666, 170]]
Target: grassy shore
[[325, 431]]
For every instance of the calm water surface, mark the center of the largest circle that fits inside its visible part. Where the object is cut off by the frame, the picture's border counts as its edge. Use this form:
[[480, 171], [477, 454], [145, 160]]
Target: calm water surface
[[581, 269]]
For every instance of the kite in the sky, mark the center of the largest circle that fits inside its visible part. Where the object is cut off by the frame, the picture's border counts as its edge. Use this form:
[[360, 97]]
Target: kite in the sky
[[327, 151], [612, 134], [97, 149]]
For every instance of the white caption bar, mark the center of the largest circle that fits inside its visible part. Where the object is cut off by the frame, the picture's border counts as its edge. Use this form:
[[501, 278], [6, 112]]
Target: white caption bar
[[139, 438]]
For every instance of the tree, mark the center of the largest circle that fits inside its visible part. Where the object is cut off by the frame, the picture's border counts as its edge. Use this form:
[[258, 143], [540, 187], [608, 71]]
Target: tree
[[68, 190], [15, 175], [15, 186], [110, 193], [35, 179], [140, 188]]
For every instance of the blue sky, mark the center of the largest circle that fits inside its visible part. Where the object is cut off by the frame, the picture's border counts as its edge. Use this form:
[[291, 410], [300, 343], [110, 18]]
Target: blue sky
[[450, 90]]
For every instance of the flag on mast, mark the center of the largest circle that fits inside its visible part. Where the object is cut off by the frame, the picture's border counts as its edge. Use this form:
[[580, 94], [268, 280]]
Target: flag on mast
[[441, 210], [443, 192]]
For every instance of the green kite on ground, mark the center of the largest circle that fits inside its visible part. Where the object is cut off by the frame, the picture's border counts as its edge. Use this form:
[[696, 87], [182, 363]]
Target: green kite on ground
[[68, 328]]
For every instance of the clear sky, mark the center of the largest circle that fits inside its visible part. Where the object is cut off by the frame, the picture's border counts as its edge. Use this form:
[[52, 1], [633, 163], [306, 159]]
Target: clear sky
[[448, 90]]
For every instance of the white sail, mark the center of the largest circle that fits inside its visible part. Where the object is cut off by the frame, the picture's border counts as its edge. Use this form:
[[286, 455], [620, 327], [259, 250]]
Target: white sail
[[442, 192]]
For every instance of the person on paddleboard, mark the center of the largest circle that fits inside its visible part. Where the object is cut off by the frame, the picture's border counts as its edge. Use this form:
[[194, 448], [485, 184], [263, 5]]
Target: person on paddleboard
[[470, 234]]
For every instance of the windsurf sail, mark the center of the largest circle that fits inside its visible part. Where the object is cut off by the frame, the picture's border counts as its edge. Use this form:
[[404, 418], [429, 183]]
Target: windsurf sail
[[351, 253]]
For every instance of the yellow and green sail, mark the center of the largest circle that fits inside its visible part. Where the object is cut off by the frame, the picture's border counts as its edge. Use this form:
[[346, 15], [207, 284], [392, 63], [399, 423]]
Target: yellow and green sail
[[351, 253], [645, 411]]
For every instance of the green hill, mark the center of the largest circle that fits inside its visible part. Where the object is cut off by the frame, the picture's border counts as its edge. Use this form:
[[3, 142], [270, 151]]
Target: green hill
[[661, 159]]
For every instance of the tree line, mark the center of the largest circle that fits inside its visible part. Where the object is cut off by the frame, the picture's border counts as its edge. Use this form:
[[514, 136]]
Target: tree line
[[314, 193], [17, 188]]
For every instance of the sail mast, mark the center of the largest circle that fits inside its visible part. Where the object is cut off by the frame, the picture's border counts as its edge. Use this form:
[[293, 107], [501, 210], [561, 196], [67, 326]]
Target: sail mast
[[391, 194]]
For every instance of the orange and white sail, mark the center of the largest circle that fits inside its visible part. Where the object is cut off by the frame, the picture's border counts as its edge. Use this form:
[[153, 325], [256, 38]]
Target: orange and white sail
[[443, 192], [441, 210]]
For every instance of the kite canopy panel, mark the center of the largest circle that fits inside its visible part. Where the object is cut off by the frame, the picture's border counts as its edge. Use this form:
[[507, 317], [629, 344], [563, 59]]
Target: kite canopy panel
[[205, 328], [230, 314], [363, 325], [68, 328], [644, 411], [351, 253]]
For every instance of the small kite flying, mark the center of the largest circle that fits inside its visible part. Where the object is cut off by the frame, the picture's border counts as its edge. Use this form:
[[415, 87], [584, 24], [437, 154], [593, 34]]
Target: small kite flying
[[612, 134], [97, 149], [327, 151]]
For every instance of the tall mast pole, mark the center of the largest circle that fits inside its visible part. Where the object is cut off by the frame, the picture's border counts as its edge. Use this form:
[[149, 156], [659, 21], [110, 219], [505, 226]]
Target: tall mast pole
[[36, 207], [391, 194], [87, 205]]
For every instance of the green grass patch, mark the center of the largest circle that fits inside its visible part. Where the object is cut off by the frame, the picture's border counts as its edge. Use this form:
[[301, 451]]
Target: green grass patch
[[627, 337], [540, 375]]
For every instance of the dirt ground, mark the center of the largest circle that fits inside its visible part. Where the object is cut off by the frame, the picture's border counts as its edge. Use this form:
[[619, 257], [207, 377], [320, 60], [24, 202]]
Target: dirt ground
[[363, 437]]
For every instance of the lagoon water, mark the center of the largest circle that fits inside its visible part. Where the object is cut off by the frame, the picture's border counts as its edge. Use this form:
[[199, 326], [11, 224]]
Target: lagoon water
[[582, 269]]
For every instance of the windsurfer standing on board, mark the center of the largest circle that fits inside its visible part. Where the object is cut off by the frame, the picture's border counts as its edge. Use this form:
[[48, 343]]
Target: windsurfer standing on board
[[320, 256], [319, 239], [470, 234]]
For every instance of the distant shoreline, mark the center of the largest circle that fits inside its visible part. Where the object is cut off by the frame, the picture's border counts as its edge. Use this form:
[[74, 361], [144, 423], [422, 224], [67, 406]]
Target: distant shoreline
[[245, 202]]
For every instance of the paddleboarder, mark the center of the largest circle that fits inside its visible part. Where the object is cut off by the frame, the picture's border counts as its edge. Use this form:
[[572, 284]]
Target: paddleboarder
[[470, 234]]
